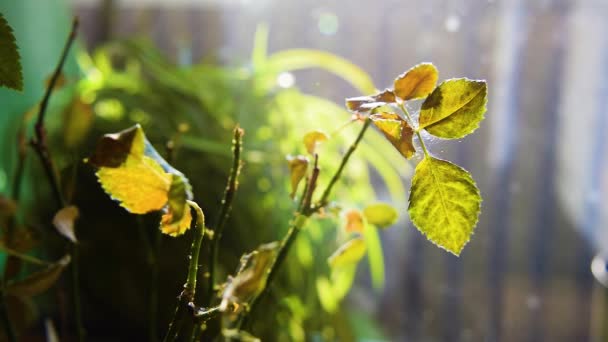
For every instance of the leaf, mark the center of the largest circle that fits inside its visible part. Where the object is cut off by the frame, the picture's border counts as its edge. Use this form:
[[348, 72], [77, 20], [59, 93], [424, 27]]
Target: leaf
[[251, 276], [38, 282], [325, 292], [416, 83], [367, 103], [10, 65], [444, 203], [455, 108], [178, 217], [381, 214], [349, 253], [175, 228], [297, 168], [397, 131], [78, 118], [354, 221], [134, 174], [375, 257], [313, 139], [238, 336], [64, 222]]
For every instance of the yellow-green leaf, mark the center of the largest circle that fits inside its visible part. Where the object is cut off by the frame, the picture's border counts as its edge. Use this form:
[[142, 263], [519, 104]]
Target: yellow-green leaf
[[251, 276], [38, 282], [64, 222], [455, 108], [349, 253], [10, 64], [77, 121], [397, 131], [325, 292], [353, 221], [416, 83], [381, 214], [313, 139], [297, 168], [132, 172], [444, 203], [367, 103], [172, 227]]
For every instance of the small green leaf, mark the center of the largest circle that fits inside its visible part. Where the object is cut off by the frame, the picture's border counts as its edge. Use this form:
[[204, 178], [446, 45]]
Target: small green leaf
[[375, 256], [416, 83], [38, 282], [455, 108], [10, 64], [367, 103], [325, 292], [381, 214], [251, 277], [313, 139], [444, 203], [397, 131], [349, 253], [64, 222], [297, 168]]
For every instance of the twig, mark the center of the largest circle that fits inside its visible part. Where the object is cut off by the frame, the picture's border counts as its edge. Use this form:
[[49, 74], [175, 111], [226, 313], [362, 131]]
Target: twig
[[224, 213], [187, 295], [300, 219], [39, 143]]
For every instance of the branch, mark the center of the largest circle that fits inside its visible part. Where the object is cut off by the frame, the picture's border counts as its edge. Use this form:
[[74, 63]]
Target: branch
[[231, 187], [39, 142], [187, 295], [300, 219]]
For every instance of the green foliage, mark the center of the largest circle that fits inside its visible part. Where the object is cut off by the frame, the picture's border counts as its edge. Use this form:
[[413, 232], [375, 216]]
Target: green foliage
[[455, 108], [381, 214], [444, 203], [10, 64]]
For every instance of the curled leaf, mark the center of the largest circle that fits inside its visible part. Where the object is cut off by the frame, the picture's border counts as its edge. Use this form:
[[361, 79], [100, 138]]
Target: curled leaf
[[381, 214], [297, 168], [349, 253], [251, 277], [444, 203], [10, 62], [455, 108], [367, 103], [64, 222], [397, 131], [38, 282], [416, 83], [313, 139], [175, 228], [354, 221]]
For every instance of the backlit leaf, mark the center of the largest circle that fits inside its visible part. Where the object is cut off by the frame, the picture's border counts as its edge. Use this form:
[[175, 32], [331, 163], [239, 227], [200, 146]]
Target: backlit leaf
[[297, 168], [444, 203], [367, 103], [381, 214], [375, 256], [251, 276], [349, 253], [325, 292], [77, 121], [354, 221], [397, 131], [175, 228], [10, 64], [38, 282], [455, 108], [64, 222], [313, 139], [416, 83]]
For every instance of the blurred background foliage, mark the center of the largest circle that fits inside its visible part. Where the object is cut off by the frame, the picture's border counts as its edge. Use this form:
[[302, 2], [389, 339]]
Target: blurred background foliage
[[188, 111]]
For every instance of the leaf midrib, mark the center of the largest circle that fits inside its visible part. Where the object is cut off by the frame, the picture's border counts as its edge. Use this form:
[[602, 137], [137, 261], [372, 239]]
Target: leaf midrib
[[442, 200], [454, 111]]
